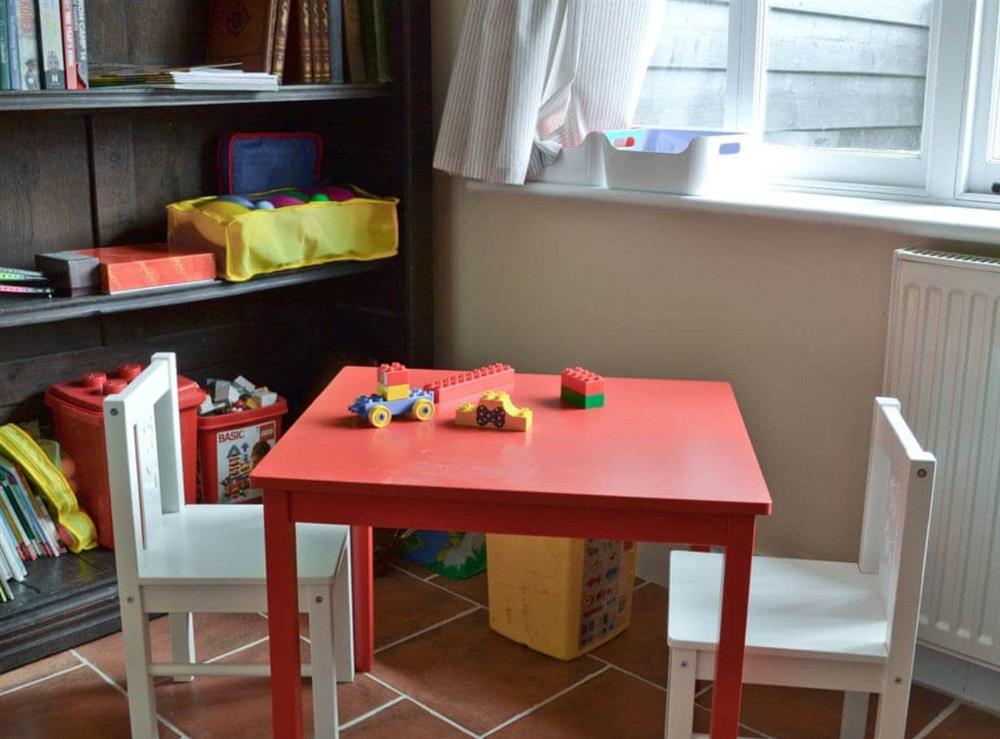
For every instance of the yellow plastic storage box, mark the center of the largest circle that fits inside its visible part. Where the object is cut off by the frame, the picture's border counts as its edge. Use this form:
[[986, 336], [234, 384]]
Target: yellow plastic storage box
[[561, 597], [261, 241]]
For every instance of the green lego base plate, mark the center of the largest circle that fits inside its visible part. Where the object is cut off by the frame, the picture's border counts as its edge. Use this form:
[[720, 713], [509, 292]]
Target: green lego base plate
[[577, 400]]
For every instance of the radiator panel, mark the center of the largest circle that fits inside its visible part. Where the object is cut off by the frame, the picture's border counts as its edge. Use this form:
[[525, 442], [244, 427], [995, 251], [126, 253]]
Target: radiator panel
[[943, 363]]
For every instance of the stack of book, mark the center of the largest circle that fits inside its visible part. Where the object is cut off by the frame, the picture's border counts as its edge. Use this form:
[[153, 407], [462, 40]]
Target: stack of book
[[181, 78], [304, 41], [43, 44], [23, 282], [26, 530]]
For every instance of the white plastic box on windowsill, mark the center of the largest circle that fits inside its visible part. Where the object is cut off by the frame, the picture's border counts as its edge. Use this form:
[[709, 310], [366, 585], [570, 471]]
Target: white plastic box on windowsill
[[655, 159]]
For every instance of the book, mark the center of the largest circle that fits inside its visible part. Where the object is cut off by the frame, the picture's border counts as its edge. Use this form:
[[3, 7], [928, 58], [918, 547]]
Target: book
[[69, 44], [322, 43], [6, 289], [380, 32], [27, 45], [4, 48], [352, 41], [305, 40], [12, 55], [242, 31], [181, 78], [51, 46], [315, 49], [80, 37], [280, 39], [336, 24]]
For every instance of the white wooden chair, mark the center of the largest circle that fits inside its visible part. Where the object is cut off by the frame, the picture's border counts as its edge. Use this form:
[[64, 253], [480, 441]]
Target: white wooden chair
[[828, 625], [179, 559]]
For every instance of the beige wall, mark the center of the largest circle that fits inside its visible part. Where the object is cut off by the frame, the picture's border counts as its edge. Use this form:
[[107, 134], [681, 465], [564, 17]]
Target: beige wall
[[792, 314]]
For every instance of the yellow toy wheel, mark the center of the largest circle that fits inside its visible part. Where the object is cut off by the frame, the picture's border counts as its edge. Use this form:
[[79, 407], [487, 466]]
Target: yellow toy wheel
[[379, 416], [423, 409]]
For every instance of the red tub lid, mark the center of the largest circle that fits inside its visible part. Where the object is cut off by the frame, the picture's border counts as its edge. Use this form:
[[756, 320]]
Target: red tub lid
[[87, 391]]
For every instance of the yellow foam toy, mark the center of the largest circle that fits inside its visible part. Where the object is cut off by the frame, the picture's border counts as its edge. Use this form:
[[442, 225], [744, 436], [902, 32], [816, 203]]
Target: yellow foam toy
[[49, 482]]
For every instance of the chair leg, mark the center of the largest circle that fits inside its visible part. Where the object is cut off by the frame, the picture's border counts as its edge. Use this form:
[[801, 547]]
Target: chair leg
[[324, 675], [892, 705], [182, 642], [680, 694], [854, 716], [138, 657], [343, 620]]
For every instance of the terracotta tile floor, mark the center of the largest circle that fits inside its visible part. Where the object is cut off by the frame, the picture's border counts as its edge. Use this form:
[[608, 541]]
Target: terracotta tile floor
[[439, 673]]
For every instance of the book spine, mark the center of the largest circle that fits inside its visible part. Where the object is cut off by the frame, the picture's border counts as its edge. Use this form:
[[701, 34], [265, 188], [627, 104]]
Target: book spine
[[80, 36], [27, 45], [352, 41], [51, 51], [336, 40], [305, 41], [280, 38], [13, 526], [13, 58], [23, 508], [316, 40], [383, 62], [4, 48], [368, 39], [28, 550], [69, 44], [324, 39]]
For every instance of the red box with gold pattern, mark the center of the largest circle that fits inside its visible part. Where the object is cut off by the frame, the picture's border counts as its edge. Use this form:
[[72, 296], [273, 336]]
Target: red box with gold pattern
[[145, 266]]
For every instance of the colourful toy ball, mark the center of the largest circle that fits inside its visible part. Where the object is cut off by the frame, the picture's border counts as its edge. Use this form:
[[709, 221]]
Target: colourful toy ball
[[283, 201], [238, 199], [337, 194], [319, 197], [264, 205]]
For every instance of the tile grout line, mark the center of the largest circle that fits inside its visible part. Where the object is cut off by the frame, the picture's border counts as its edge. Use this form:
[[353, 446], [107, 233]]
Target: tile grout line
[[41, 679], [374, 712], [439, 587], [554, 696], [427, 629], [938, 720], [640, 678], [110, 681], [424, 706], [760, 734], [237, 650]]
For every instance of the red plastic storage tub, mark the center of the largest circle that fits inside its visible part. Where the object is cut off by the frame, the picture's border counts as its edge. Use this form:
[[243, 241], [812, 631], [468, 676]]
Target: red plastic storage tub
[[229, 445], [77, 413]]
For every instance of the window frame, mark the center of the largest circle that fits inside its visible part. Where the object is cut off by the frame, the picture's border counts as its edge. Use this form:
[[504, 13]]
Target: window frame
[[963, 61]]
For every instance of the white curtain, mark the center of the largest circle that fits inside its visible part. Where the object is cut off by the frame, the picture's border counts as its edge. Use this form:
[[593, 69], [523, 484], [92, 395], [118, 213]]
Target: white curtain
[[532, 76]]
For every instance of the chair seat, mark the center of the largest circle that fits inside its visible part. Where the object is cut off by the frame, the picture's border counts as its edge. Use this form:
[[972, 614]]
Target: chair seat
[[224, 544], [798, 608]]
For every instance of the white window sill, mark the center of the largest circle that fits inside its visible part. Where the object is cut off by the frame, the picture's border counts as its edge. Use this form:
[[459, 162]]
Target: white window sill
[[932, 220]]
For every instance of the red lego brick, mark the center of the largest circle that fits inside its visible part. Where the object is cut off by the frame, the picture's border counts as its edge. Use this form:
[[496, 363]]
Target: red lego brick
[[472, 383], [393, 374], [582, 381]]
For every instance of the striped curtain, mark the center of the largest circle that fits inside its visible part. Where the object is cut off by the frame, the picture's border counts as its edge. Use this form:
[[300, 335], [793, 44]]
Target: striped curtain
[[532, 76]]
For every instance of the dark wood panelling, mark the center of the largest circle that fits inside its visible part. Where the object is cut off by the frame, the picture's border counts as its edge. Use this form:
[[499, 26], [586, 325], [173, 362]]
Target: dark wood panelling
[[147, 31], [44, 190], [20, 342]]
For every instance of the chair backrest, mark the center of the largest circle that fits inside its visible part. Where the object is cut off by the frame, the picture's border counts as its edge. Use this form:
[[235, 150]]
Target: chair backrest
[[897, 515], [142, 434]]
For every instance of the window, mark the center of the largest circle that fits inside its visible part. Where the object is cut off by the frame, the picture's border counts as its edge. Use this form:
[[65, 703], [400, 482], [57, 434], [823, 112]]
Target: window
[[896, 97]]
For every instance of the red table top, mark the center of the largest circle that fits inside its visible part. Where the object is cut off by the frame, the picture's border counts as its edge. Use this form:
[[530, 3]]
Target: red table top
[[656, 444]]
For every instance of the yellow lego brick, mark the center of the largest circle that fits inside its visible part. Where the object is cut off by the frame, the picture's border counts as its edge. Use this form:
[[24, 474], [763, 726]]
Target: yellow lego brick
[[494, 411], [394, 392]]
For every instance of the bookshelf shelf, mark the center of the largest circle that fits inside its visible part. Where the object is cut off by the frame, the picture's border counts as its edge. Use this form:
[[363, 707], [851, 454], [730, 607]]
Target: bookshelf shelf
[[135, 96], [20, 311]]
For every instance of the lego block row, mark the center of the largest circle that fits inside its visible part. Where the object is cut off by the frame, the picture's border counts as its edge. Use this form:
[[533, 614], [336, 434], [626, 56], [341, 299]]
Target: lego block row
[[582, 381], [474, 382]]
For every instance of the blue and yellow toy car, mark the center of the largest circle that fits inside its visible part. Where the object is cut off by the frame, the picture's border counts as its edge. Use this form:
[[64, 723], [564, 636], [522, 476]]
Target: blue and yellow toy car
[[419, 404]]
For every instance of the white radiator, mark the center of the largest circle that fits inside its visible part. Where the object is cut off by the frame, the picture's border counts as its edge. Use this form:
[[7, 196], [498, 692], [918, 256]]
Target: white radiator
[[943, 363]]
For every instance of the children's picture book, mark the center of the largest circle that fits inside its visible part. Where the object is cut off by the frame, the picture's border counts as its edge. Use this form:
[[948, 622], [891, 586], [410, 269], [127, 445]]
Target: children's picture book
[[27, 45], [80, 37], [4, 48], [50, 35], [13, 58], [242, 31]]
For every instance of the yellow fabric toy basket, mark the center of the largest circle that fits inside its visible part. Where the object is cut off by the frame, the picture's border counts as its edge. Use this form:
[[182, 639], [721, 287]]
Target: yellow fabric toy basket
[[254, 242]]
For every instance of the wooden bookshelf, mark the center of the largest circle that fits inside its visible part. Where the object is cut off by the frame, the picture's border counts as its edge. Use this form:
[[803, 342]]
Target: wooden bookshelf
[[137, 96], [98, 167]]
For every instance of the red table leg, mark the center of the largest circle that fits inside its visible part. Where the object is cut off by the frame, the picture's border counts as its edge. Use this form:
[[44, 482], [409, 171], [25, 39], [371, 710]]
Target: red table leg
[[362, 571], [732, 628], [283, 616]]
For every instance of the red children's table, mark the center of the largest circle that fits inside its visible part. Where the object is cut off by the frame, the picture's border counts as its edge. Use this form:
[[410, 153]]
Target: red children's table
[[663, 461]]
